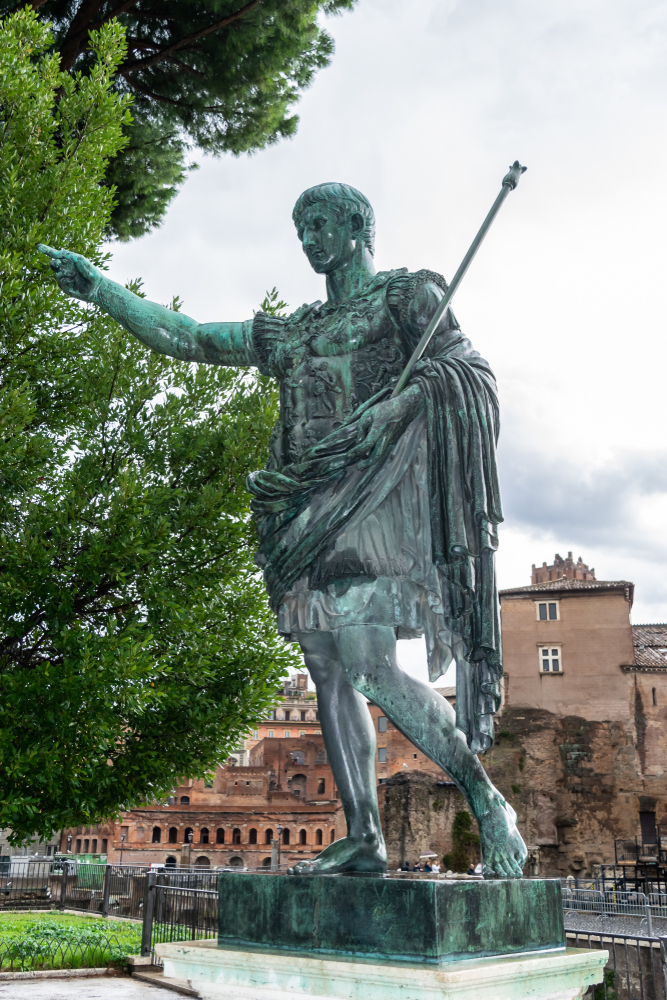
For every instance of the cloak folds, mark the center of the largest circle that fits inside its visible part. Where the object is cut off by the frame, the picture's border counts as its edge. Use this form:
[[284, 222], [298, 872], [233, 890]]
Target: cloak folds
[[301, 508]]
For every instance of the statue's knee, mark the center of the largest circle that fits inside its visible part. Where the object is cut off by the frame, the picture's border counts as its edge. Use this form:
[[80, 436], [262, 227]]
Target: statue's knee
[[360, 678]]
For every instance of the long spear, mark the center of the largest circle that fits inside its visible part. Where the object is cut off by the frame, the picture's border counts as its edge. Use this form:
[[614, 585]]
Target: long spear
[[510, 181]]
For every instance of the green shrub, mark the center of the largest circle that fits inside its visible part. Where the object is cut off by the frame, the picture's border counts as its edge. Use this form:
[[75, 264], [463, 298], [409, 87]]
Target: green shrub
[[465, 842]]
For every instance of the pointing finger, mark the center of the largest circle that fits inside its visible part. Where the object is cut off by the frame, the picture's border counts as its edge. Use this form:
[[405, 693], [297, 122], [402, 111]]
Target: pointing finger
[[51, 251]]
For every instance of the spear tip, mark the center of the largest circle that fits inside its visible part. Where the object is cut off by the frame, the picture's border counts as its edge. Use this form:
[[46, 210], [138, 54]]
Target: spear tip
[[511, 179]]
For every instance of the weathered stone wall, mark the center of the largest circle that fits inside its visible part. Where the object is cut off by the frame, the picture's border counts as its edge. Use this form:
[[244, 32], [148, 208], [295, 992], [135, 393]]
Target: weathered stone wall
[[419, 811], [576, 785]]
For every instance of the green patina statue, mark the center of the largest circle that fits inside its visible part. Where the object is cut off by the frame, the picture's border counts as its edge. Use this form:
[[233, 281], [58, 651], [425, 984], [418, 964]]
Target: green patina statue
[[377, 514]]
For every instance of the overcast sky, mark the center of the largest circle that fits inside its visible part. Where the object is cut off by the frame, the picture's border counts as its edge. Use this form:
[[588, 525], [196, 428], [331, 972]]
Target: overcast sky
[[423, 108]]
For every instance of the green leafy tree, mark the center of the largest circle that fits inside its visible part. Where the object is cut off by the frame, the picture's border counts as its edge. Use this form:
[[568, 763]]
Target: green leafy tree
[[464, 842], [221, 75], [135, 639]]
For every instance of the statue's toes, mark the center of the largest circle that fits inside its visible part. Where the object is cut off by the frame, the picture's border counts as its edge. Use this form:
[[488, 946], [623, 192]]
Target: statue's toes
[[303, 868]]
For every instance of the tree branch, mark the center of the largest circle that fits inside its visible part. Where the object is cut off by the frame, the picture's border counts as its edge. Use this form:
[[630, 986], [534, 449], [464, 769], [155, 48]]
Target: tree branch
[[139, 64], [76, 39]]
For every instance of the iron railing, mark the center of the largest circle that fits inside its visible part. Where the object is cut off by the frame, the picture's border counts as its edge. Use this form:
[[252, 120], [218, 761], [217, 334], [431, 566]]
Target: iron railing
[[176, 913], [613, 879], [615, 902], [62, 947], [25, 884], [643, 850], [636, 969]]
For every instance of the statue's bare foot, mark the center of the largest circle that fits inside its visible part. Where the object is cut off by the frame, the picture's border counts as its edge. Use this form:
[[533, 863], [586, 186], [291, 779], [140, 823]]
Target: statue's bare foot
[[347, 855], [503, 849]]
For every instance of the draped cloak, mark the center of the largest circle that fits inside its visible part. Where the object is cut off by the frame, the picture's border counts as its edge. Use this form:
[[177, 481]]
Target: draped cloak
[[311, 494]]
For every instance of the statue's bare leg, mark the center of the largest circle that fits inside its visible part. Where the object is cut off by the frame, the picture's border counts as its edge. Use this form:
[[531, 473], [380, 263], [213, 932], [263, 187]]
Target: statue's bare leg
[[349, 738], [367, 654]]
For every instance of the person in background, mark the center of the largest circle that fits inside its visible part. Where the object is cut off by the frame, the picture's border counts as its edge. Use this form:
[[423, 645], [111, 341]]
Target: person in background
[[435, 868], [427, 867], [416, 867], [471, 869], [405, 867]]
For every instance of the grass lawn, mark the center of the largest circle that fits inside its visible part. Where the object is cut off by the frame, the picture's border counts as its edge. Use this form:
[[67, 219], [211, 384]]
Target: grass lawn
[[51, 940]]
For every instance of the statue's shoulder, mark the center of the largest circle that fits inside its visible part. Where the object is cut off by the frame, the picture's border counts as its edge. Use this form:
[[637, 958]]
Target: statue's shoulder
[[405, 286], [275, 338]]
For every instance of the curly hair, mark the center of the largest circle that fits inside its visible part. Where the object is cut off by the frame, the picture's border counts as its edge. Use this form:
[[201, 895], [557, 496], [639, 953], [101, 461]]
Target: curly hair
[[345, 201]]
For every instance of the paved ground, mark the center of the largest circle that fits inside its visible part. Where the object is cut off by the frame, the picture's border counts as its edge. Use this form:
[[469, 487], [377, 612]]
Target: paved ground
[[83, 989], [612, 924]]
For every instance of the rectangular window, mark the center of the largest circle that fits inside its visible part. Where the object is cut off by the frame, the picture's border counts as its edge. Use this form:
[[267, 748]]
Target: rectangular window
[[105, 843], [382, 724], [287, 715], [551, 660], [318, 732], [317, 716], [382, 755], [287, 733], [547, 611], [303, 716], [95, 847], [255, 734], [78, 847], [302, 732], [270, 734], [208, 783]]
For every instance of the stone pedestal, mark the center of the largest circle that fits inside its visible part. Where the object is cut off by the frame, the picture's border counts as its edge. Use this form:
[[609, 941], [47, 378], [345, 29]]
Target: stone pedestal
[[344, 937], [269, 974], [427, 920]]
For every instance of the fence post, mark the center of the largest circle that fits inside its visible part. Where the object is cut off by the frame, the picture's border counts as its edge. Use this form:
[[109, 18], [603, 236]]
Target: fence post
[[663, 961], [63, 885], [106, 891], [147, 928], [649, 920], [274, 855]]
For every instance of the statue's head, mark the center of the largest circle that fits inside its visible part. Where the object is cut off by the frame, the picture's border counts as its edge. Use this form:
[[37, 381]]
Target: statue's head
[[334, 220]]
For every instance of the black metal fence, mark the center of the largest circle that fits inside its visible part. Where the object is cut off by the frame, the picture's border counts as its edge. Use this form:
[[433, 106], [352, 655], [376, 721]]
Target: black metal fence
[[60, 947], [117, 890], [637, 966], [177, 914], [25, 884]]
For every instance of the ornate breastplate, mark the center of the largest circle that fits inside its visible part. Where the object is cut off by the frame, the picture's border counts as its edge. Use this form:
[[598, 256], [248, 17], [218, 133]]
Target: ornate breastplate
[[340, 356]]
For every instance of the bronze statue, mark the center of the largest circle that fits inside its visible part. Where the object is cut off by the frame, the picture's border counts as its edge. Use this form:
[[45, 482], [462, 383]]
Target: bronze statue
[[377, 514]]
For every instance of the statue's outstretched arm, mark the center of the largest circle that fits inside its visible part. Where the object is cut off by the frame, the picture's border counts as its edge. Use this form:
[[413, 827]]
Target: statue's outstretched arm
[[162, 329]]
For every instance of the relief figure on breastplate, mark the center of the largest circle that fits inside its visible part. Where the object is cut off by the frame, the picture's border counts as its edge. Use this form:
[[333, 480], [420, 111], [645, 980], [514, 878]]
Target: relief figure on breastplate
[[377, 515]]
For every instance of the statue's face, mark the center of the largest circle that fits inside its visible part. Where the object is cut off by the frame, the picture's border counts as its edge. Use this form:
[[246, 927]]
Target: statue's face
[[327, 243]]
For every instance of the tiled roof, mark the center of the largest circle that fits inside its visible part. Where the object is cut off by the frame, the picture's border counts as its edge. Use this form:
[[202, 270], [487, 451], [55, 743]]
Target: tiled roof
[[650, 643], [566, 584]]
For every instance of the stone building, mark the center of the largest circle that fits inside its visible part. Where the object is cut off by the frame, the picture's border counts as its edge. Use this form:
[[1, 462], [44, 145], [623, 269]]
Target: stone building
[[295, 715], [582, 738], [232, 819]]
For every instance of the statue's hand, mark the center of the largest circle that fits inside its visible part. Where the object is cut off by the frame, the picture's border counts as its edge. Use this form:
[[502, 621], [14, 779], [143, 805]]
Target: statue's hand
[[75, 275], [382, 425]]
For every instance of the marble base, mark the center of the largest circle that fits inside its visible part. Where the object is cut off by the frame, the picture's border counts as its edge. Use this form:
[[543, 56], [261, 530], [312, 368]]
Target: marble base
[[262, 974]]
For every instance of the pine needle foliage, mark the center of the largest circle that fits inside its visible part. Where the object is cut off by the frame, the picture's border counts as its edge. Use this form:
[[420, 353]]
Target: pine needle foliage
[[219, 75]]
